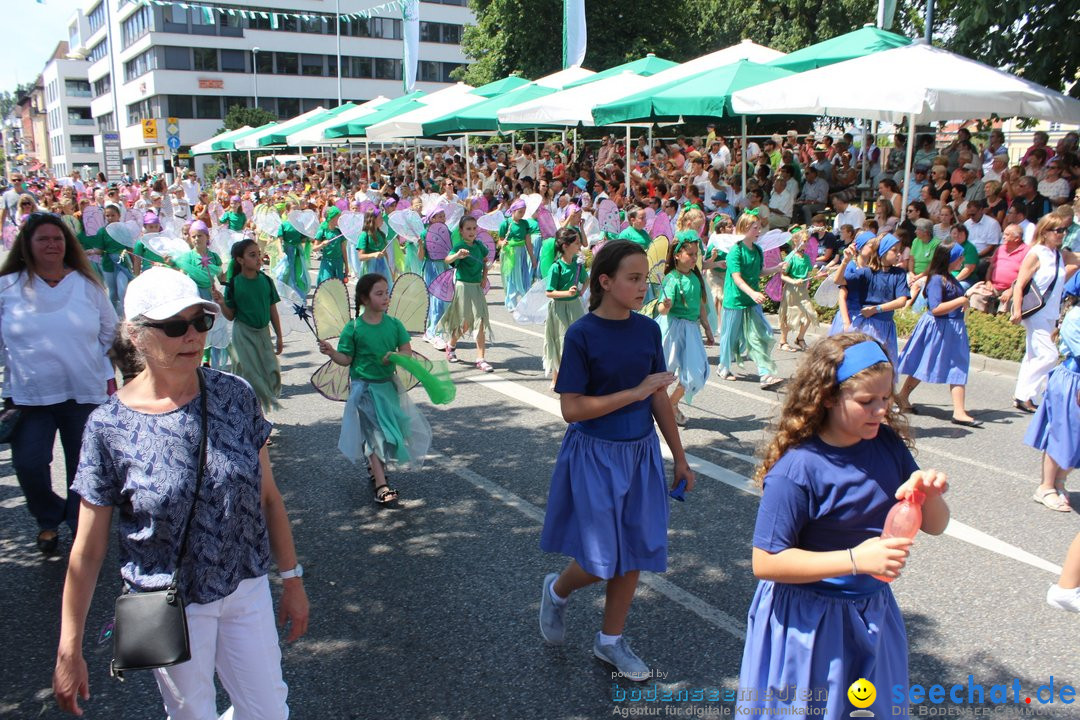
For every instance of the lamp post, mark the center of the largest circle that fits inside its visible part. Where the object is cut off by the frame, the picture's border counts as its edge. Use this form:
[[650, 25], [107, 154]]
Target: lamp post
[[255, 71]]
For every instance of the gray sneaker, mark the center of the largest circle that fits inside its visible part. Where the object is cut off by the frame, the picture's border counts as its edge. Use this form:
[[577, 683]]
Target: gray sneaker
[[619, 655], [552, 622]]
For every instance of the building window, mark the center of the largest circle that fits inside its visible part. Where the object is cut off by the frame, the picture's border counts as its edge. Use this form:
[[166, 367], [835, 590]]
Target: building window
[[101, 86], [385, 28], [96, 18], [77, 88], [231, 102], [180, 106], [140, 64], [355, 28], [175, 19], [177, 58], [98, 52], [312, 65], [387, 69], [230, 26], [233, 61], [288, 107], [205, 59], [147, 108], [81, 144], [288, 63], [256, 22], [357, 67], [331, 65], [199, 25], [207, 106], [264, 62], [106, 122], [313, 25], [138, 24], [309, 104], [289, 24], [436, 32]]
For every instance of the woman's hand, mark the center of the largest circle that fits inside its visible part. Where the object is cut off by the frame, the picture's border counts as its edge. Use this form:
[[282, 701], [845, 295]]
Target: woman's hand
[[386, 358], [869, 311], [656, 382], [882, 556], [293, 609], [71, 682]]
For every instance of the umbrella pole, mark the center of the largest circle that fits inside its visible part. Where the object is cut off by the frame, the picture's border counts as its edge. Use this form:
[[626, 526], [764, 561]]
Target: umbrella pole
[[367, 158], [909, 152], [468, 175], [742, 156], [627, 146]]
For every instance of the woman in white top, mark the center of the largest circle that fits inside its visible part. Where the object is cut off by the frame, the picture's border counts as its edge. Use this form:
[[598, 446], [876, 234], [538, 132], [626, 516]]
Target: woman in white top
[[56, 324], [1049, 267]]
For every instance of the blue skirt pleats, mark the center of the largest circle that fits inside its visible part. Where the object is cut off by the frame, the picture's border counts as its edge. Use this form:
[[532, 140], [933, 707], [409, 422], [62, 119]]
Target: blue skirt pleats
[[1053, 428], [881, 329], [821, 644], [938, 351], [684, 352], [607, 506]]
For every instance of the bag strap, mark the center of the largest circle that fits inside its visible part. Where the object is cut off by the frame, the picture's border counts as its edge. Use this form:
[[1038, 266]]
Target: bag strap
[[1057, 271], [198, 477]]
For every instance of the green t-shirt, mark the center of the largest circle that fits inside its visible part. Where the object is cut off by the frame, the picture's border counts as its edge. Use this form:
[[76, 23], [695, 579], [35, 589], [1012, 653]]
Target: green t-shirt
[[290, 235], [191, 264], [921, 252], [517, 232], [548, 255], [635, 236], [747, 262], [684, 291], [564, 276], [798, 266], [368, 243], [366, 344], [331, 252], [147, 254], [469, 269], [971, 256], [234, 220], [251, 298]]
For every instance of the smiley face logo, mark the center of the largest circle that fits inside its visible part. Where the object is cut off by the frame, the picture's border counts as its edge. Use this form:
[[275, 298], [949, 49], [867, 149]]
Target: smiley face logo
[[862, 693]]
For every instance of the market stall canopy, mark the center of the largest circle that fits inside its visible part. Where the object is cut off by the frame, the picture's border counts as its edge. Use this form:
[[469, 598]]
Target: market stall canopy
[[918, 81], [707, 94], [251, 141], [646, 66], [855, 44], [280, 135], [313, 134], [222, 142], [357, 128], [411, 123]]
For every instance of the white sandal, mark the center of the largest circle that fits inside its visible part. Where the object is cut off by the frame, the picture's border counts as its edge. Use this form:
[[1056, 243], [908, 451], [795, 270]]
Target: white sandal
[[1060, 502]]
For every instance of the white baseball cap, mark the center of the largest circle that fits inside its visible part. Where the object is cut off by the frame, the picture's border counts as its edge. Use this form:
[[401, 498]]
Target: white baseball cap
[[160, 293]]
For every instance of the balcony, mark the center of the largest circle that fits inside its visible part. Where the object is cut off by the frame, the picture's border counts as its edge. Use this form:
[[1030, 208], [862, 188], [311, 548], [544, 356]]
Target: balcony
[[71, 92], [80, 121]]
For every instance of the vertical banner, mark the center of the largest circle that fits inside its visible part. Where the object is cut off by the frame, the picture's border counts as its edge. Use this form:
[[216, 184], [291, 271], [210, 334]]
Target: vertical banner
[[410, 15], [886, 11], [574, 35]]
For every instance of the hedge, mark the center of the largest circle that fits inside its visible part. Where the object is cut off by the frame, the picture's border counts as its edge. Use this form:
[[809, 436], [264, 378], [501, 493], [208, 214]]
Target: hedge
[[990, 335]]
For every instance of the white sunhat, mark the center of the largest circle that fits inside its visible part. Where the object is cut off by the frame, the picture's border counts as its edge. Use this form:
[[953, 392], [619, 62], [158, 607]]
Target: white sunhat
[[160, 293]]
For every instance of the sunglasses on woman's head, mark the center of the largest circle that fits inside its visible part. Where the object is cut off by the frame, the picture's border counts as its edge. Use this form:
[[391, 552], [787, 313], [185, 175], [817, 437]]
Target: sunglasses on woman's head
[[179, 328]]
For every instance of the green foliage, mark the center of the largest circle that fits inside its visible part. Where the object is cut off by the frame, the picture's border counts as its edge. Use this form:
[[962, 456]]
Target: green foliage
[[239, 115], [994, 336]]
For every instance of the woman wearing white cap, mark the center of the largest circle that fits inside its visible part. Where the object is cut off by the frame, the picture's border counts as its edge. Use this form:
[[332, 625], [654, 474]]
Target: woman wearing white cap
[[140, 454]]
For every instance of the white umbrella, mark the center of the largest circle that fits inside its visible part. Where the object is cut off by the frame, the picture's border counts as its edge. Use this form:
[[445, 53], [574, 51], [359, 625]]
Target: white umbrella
[[436, 104], [919, 82], [251, 142], [206, 146], [313, 135], [573, 105]]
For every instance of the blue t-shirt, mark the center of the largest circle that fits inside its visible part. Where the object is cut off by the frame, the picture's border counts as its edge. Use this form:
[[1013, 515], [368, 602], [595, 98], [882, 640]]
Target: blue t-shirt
[[856, 283], [602, 357], [885, 286], [145, 466], [822, 498], [938, 291]]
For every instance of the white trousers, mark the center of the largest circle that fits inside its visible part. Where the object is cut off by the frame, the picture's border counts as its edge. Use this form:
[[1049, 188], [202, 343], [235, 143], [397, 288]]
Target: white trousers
[[235, 636], [1040, 357]]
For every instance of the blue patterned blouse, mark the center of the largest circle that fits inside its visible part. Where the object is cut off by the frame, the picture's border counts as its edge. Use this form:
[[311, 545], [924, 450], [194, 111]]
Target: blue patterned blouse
[[145, 465]]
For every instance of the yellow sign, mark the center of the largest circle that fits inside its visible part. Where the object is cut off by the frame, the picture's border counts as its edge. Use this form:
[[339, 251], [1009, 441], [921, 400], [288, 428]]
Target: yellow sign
[[149, 130], [172, 126]]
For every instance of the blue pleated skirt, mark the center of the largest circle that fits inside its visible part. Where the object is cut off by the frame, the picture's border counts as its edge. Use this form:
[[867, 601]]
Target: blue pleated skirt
[[684, 352], [379, 266], [607, 506], [938, 351], [837, 326], [881, 329], [436, 307], [821, 644], [1053, 428], [516, 274]]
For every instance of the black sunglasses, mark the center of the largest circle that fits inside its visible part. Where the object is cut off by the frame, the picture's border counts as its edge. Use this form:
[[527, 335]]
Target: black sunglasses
[[179, 328]]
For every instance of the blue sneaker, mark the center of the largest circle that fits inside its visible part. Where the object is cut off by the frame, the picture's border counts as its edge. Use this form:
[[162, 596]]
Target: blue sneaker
[[552, 622], [622, 658]]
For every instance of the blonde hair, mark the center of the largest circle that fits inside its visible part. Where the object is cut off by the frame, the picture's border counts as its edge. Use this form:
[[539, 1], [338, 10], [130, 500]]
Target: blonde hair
[[1046, 221], [804, 412], [692, 219], [744, 222]]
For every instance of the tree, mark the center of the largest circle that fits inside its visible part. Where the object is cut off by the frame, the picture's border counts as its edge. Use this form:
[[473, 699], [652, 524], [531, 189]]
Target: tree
[[240, 115], [8, 99]]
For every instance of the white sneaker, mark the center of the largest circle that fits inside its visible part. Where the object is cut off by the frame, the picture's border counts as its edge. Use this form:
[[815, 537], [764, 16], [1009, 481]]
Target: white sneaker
[[623, 659], [1063, 599], [438, 343]]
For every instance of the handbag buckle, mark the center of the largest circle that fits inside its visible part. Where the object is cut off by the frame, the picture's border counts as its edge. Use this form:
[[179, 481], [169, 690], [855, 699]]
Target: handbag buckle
[[113, 672]]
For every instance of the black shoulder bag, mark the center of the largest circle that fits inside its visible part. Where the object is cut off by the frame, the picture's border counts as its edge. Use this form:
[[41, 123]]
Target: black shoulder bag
[[1033, 300], [150, 628]]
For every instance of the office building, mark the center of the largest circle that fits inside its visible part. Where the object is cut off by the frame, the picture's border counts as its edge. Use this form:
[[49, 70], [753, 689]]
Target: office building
[[70, 125]]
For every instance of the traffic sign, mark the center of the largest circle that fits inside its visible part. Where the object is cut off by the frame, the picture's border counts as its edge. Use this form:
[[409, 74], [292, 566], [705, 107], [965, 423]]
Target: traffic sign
[[174, 142], [149, 130], [172, 126]]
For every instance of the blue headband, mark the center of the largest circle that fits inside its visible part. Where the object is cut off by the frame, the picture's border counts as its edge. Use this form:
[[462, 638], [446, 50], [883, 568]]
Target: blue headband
[[862, 238], [955, 253], [886, 244], [858, 357]]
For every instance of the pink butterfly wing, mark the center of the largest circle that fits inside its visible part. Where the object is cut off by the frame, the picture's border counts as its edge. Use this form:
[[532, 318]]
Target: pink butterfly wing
[[546, 222], [93, 220], [812, 248], [661, 226], [442, 287], [485, 237], [775, 287], [438, 241]]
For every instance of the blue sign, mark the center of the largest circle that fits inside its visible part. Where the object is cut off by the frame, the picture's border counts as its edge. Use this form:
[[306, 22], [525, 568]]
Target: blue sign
[[173, 142]]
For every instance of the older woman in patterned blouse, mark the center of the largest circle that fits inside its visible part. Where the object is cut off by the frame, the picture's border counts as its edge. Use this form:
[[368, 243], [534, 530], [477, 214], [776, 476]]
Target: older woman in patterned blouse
[[140, 455]]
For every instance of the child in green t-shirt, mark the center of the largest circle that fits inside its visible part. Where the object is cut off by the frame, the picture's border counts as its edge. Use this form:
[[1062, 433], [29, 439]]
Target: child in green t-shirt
[[468, 311], [380, 423], [796, 310]]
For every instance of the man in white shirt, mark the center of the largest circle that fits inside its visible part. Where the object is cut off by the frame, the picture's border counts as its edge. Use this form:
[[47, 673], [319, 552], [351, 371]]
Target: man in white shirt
[[846, 214], [983, 230], [997, 168], [720, 154], [782, 201], [190, 183], [1017, 215]]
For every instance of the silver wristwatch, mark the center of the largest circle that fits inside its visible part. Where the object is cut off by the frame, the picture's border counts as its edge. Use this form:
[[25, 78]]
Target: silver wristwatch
[[296, 572]]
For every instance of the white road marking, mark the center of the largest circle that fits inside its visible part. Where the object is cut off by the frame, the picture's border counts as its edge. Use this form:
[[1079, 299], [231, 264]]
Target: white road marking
[[956, 529], [709, 613]]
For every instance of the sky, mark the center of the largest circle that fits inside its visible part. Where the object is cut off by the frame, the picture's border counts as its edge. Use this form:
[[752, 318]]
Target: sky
[[26, 48]]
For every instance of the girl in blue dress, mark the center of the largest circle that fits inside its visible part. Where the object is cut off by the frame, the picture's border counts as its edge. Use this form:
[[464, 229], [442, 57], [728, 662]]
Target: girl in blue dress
[[432, 269], [607, 506], [886, 292], [682, 307], [838, 462], [332, 243], [939, 350], [372, 250], [852, 291], [516, 252], [1053, 427]]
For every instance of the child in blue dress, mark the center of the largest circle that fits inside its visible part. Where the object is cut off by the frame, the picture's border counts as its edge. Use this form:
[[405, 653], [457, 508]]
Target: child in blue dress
[[1053, 428], [838, 462], [852, 291], [939, 350], [517, 257], [372, 250], [432, 269], [607, 507], [682, 308], [886, 292]]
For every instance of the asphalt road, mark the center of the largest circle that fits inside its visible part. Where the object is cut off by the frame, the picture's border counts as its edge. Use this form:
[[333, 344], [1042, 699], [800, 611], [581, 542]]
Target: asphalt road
[[428, 610]]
